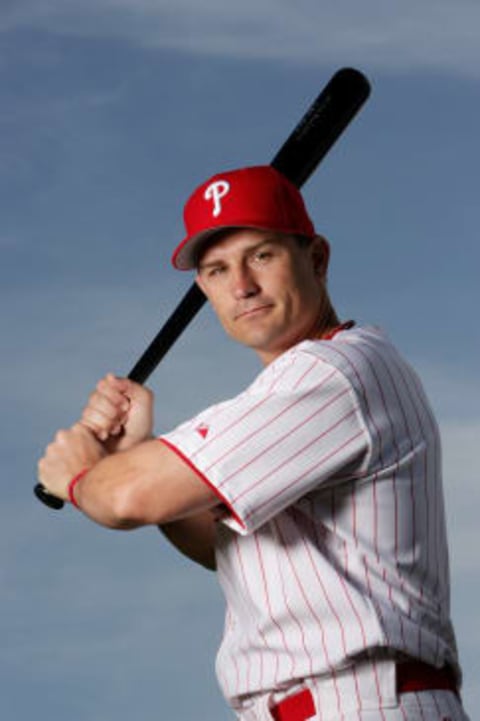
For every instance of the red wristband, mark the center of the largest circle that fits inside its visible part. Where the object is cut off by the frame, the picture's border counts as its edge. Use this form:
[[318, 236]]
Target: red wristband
[[72, 484]]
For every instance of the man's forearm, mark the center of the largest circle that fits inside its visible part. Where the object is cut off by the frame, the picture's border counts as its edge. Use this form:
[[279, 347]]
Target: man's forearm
[[99, 494], [102, 492], [146, 485]]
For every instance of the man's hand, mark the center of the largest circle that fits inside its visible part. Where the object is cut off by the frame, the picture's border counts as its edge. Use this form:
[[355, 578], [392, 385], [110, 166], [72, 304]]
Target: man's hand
[[119, 413], [71, 452]]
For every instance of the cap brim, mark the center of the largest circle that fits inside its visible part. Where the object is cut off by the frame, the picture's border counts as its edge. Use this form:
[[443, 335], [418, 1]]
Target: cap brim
[[186, 255]]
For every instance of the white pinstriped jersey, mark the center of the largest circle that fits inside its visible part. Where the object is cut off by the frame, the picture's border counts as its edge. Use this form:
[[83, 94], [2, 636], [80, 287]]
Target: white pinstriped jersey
[[334, 541]]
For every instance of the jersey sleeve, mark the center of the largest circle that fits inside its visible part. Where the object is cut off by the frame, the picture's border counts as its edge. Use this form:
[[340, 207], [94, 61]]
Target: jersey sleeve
[[292, 431]]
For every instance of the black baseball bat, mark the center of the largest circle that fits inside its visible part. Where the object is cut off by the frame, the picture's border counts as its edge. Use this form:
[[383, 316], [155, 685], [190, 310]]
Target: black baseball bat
[[318, 130]]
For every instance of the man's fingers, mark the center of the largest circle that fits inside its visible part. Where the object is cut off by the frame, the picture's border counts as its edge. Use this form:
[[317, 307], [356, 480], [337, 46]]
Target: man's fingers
[[110, 408], [122, 392], [118, 407], [113, 390], [102, 421], [107, 408], [129, 390], [101, 431]]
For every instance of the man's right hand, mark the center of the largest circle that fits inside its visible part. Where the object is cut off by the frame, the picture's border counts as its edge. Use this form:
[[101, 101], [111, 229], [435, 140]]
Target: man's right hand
[[119, 413]]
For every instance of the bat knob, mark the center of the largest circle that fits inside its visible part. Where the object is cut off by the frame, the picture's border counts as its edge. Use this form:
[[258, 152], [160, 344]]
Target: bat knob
[[48, 498]]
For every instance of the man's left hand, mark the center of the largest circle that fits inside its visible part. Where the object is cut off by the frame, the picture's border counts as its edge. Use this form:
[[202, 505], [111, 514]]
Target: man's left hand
[[71, 452]]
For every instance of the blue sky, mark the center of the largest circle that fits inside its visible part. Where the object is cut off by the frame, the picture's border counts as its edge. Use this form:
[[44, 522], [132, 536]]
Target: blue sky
[[111, 112]]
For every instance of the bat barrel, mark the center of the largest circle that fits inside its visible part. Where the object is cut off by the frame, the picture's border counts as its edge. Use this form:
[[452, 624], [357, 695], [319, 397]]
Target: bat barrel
[[322, 125]]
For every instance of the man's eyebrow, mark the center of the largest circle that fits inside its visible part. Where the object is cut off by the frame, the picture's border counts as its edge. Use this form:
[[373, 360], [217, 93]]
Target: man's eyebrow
[[210, 264], [268, 239]]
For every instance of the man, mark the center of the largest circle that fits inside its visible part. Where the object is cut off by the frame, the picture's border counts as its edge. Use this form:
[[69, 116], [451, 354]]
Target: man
[[315, 494]]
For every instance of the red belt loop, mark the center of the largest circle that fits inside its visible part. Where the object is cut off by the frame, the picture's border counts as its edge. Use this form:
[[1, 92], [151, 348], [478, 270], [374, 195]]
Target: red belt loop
[[296, 708]]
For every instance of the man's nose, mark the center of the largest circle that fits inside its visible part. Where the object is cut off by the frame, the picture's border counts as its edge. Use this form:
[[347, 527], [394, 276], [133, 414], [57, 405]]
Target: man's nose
[[244, 284]]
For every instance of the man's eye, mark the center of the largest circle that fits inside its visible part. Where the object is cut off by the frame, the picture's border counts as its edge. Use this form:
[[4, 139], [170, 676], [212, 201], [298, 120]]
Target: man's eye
[[263, 255], [216, 271]]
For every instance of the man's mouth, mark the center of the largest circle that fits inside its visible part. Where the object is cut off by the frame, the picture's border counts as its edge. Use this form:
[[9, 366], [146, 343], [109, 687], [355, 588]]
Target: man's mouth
[[251, 312]]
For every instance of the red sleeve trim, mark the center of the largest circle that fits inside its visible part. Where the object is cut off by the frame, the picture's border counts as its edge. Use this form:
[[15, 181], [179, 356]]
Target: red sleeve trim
[[203, 478]]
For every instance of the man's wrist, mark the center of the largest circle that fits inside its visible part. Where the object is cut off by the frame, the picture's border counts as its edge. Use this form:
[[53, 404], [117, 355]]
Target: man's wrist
[[71, 487]]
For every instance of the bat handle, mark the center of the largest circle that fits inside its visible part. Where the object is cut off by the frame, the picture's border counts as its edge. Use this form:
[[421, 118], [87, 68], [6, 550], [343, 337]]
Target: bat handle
[[48, 498]]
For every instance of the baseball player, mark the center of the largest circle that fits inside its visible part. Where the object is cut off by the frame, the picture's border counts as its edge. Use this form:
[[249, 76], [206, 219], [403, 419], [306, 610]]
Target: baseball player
[[315, 494]]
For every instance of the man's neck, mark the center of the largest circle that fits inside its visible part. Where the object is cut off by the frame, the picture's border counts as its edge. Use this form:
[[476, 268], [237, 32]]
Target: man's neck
[[327, 323]]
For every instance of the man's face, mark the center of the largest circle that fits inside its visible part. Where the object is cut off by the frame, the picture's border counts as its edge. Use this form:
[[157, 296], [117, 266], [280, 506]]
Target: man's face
[[267, 290]]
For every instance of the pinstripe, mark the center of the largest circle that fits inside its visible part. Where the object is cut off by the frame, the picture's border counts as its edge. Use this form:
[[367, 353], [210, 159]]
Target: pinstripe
[[239, 656], [225, 677], [306, 373], [259, 630], [308, 472], [425, 475], [237, 421], [269, 608], [351, 603], [262, 425], [226, 407], [439, 550], [418, 697], [315, 616], [397, 453], [289, 459], [331, 605], [403, 711], [293, 615], [371, 416], [277, 378], [437, 705]]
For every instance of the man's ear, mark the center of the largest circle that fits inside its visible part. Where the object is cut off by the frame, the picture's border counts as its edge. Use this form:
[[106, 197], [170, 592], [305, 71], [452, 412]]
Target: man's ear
[[320, 253]]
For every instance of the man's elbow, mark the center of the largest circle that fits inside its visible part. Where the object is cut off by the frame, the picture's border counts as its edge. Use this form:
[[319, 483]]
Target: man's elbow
[[129, 509], [207, 560]]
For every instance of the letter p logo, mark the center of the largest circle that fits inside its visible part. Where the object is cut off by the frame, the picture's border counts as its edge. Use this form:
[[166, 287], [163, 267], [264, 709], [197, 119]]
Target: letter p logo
[[216, 191]]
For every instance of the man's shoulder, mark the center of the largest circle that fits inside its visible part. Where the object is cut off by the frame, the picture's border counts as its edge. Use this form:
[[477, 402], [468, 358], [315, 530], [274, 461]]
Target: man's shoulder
[[362, 354], [363, 357], [348, 347]]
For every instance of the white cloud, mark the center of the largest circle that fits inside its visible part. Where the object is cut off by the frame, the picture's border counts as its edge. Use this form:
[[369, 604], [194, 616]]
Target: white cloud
[[437, 35]]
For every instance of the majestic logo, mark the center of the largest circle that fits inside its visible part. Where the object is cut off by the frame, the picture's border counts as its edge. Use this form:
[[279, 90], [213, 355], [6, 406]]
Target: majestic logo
[[216, 191], [202, 430]]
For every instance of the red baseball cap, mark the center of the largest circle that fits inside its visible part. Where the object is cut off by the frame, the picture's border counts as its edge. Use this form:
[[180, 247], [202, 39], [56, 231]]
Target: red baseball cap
[[257, 197]]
